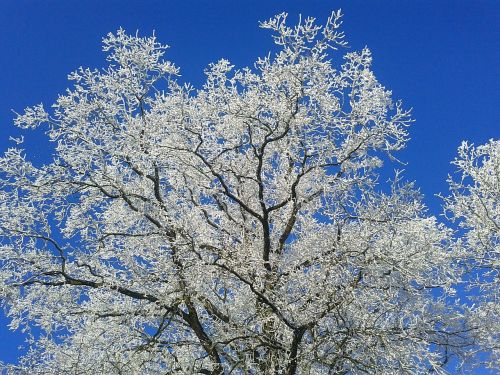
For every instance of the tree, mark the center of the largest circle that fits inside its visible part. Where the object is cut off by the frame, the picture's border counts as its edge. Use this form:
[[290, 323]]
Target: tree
[[475, 203], [238, 228]]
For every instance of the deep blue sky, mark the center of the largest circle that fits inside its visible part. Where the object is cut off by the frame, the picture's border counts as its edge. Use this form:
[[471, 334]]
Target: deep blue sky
[[441, 57]]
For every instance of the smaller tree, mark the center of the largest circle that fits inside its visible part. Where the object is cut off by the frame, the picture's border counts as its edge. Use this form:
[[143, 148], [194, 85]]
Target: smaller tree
[[475, 204]]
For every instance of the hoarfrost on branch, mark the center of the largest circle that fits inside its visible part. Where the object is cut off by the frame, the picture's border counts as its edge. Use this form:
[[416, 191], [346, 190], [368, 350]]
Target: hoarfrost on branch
[[240, 228]]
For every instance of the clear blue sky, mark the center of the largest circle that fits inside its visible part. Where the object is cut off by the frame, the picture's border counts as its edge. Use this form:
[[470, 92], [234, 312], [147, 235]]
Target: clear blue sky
[[442, 57]]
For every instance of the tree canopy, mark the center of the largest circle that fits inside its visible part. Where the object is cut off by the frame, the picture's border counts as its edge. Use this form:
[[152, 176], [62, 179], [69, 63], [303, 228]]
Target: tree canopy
[[241, 227]]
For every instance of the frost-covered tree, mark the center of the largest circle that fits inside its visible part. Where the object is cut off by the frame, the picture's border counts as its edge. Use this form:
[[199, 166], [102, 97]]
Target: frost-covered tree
[[475, 204], [234, 229]]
